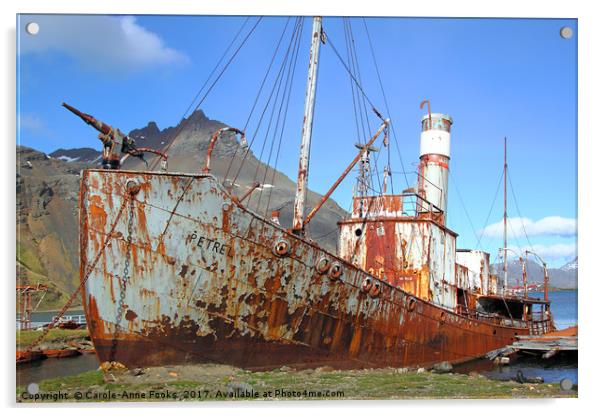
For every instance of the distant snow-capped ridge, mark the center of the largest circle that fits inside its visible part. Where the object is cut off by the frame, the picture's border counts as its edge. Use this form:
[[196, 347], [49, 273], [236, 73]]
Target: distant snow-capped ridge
[[67, 158], [83, 155], [573, 265]]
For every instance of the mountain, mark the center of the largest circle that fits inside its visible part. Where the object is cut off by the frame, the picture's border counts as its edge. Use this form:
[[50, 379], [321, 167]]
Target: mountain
[[572, 265], [82, 155], [48, 186], [564, 277]]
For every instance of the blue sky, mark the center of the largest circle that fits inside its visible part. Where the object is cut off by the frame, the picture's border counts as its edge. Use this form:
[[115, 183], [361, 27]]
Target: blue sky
[[495, 77]]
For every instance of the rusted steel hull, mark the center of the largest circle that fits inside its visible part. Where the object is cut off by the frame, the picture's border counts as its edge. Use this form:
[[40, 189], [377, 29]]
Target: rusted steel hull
[[210, 281]]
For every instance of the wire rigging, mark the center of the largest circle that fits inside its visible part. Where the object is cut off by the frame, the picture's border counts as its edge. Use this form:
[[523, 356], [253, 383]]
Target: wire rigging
[[463, 205], [288, 98], [519, 213], [216, 66], [363, 109], [382, 89], [185, 121], [354, 91], [490, 210], [256, 100], [265, 108], [279, 103], [374, 109]]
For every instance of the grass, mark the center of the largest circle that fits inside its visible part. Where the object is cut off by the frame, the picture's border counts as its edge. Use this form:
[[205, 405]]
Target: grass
[[29, 259], [25, 338], [383, 384]]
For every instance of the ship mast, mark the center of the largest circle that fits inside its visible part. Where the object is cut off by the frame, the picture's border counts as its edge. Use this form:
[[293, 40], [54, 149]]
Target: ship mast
[[505, 221], [308, 117]]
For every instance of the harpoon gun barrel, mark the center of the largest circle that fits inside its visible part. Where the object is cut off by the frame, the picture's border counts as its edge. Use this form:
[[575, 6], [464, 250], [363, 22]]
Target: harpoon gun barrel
[[88, 119], [115, 143]]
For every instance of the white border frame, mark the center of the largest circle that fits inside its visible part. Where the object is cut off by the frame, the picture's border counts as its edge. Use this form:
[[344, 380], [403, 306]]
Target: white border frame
[[589, 202]]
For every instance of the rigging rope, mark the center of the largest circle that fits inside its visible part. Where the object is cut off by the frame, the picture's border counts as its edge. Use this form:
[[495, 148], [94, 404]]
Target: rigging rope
[[386, 102], [184, 123], [257, 98], [490, 210], [519, 214], [216, 66], [247, 151], [362, 104], [353, 92], [288, 90], [278, 103], [356, 74], [463, 205], [374, 109]]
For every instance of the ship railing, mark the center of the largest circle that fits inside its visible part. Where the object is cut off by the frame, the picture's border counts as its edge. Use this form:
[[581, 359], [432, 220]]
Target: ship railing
[[408, 205], [415, 205], [413, 202], [540, 323], [540, 327], [490, 318]]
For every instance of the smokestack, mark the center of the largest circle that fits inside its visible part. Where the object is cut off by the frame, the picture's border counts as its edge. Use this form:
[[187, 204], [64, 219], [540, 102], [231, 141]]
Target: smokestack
[[434, 159]]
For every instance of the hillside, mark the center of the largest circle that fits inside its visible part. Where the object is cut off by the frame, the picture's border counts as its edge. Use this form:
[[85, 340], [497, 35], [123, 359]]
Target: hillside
[[47, 237]]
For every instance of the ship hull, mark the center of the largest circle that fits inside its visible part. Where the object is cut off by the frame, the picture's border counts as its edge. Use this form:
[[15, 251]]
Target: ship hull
[[206, 283]]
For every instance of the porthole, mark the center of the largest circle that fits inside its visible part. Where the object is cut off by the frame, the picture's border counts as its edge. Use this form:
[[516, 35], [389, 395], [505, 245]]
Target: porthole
[[375, 290], [322, 265], [336, 270], [367, 285], [282, 248]]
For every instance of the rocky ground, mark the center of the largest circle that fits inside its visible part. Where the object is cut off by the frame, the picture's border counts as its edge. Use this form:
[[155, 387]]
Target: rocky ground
[[56, 339], [219, 382]]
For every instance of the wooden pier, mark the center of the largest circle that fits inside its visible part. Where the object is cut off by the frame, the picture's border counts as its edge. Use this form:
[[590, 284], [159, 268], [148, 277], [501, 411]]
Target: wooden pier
[[549, 344], [546, 346]]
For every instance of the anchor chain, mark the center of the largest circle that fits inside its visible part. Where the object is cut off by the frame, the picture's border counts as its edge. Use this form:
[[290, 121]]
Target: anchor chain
[[67, 305], [123, 281]]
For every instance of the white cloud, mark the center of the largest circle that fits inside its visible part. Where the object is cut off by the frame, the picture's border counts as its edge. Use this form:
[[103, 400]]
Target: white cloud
[[103, 43], [32, 123], [549, 253], [548, 226]]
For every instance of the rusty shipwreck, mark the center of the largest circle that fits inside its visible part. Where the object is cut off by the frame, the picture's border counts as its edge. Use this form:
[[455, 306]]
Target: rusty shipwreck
[[175, 267]]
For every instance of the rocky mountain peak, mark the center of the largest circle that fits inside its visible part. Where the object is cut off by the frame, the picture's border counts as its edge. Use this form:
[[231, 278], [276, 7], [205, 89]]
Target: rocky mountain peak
[[149, 132], [198, 117]]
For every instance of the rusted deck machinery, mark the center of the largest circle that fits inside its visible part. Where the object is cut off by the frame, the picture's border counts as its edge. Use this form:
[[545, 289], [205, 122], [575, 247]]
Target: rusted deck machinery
[[177, 269]]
